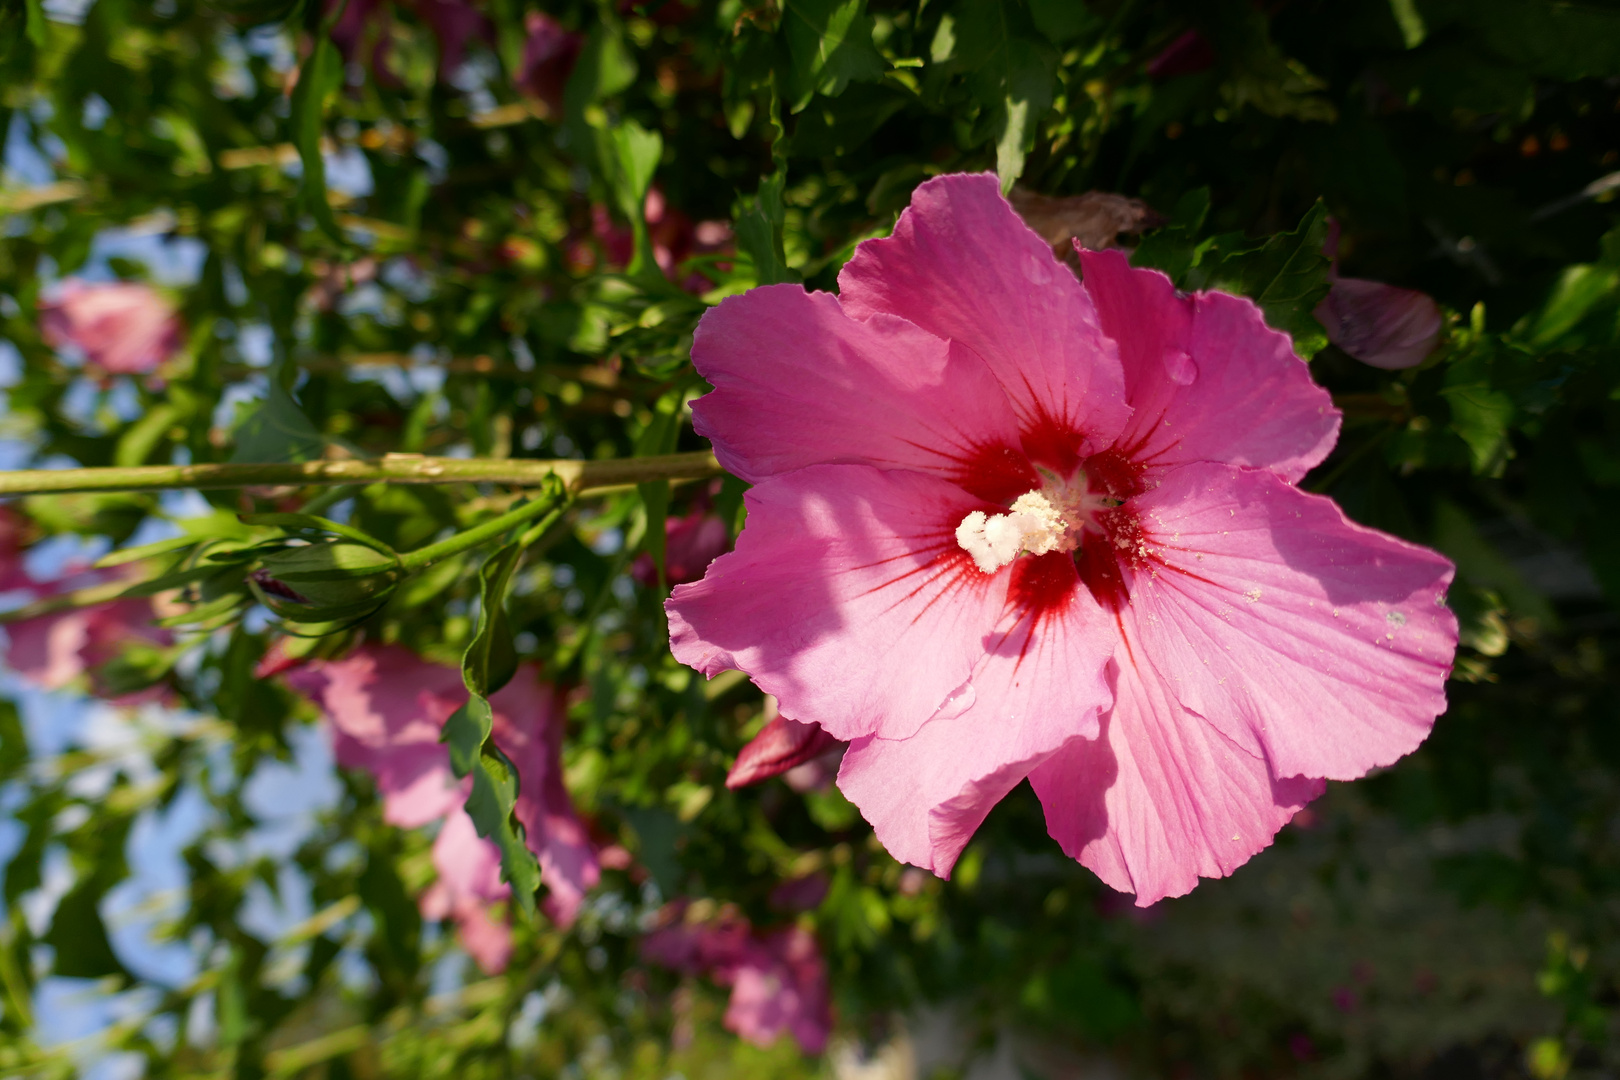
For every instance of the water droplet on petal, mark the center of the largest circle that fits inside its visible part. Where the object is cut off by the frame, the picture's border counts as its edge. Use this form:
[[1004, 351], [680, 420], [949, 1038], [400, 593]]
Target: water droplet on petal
[[1038, 269], [1181, 368], [958, 702]]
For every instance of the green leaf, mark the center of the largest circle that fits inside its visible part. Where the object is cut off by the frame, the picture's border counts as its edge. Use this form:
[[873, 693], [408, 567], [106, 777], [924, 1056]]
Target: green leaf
[[629, 158], [318, 79], [488, 664], [490, 660], [1175, 248], [660, 437], [830, 43], [1482, 565], [604, 67], [13, 743], [144, 551], [759, 232], [137, 443], [1410, 20], [1579, 290], [1011, 69], [1287, 276], [277, 432], [80, 937], [1480, 413], [38, 31]]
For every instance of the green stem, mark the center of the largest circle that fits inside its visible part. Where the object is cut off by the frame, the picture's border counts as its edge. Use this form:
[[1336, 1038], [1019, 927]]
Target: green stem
[[553, 501], [581, 477], [16, 989], [67, 601]]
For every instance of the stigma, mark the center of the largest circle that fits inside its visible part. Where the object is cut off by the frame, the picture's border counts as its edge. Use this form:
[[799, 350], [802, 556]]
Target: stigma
[[1031, 525]]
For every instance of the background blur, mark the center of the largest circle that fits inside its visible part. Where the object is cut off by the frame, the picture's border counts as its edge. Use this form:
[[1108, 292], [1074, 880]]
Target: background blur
[[487, 229]]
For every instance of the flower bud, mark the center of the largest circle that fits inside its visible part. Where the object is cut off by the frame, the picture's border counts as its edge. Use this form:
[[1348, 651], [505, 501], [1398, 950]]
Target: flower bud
[[326, 580]]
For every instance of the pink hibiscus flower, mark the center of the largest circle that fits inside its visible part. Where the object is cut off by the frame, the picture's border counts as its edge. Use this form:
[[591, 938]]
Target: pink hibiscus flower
[[387, 706], [1005, 525], [778, 980], [121, 328]]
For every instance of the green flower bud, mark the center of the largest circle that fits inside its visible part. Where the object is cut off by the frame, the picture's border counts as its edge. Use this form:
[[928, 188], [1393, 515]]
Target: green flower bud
[[327, 580]]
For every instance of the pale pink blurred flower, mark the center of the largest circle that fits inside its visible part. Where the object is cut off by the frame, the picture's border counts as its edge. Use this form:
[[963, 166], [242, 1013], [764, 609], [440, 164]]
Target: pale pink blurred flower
[[54, 651], [1006, 525], [549, 54], [778, 980], [386, 707], [122, 328]]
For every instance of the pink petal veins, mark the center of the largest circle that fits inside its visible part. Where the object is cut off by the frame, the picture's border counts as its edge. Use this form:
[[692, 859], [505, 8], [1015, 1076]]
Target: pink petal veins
[[1316, 643], [1038, 684], [847, 597], [1193, 364], [963, 266], [1162, 798], [797, 382]]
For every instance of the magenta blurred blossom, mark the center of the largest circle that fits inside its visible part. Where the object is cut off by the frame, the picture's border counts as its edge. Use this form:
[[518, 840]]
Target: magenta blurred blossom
[[781, 745], [361, 32], [15, 529], [674, 238], [1381, 325], [386, 707], [801, 893], [1006, 525], [691, 543], [1188, 54], [778, 979], [123, 328], [549, 54]]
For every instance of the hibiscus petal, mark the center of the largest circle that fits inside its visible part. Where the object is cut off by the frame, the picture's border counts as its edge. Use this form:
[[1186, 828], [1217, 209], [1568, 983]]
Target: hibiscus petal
[[386, 707], [1317, 643], [798, 382], [1382, 325], [847, 597], [1192, 363], [1039, 684], [1161, 798], [780, 745], [962, 265]]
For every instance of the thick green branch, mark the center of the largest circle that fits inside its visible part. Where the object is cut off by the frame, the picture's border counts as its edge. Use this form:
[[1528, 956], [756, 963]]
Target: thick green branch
[[582, 477]]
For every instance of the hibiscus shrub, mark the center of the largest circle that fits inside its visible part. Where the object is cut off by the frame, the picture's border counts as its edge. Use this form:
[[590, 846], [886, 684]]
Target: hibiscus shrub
[[785, 538]]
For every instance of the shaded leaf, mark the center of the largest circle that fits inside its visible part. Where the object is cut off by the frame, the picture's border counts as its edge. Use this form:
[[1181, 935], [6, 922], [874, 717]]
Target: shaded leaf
[[830, 43]]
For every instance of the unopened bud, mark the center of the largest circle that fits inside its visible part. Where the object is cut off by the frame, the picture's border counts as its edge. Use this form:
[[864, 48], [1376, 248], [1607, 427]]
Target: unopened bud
[[326, 580]]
